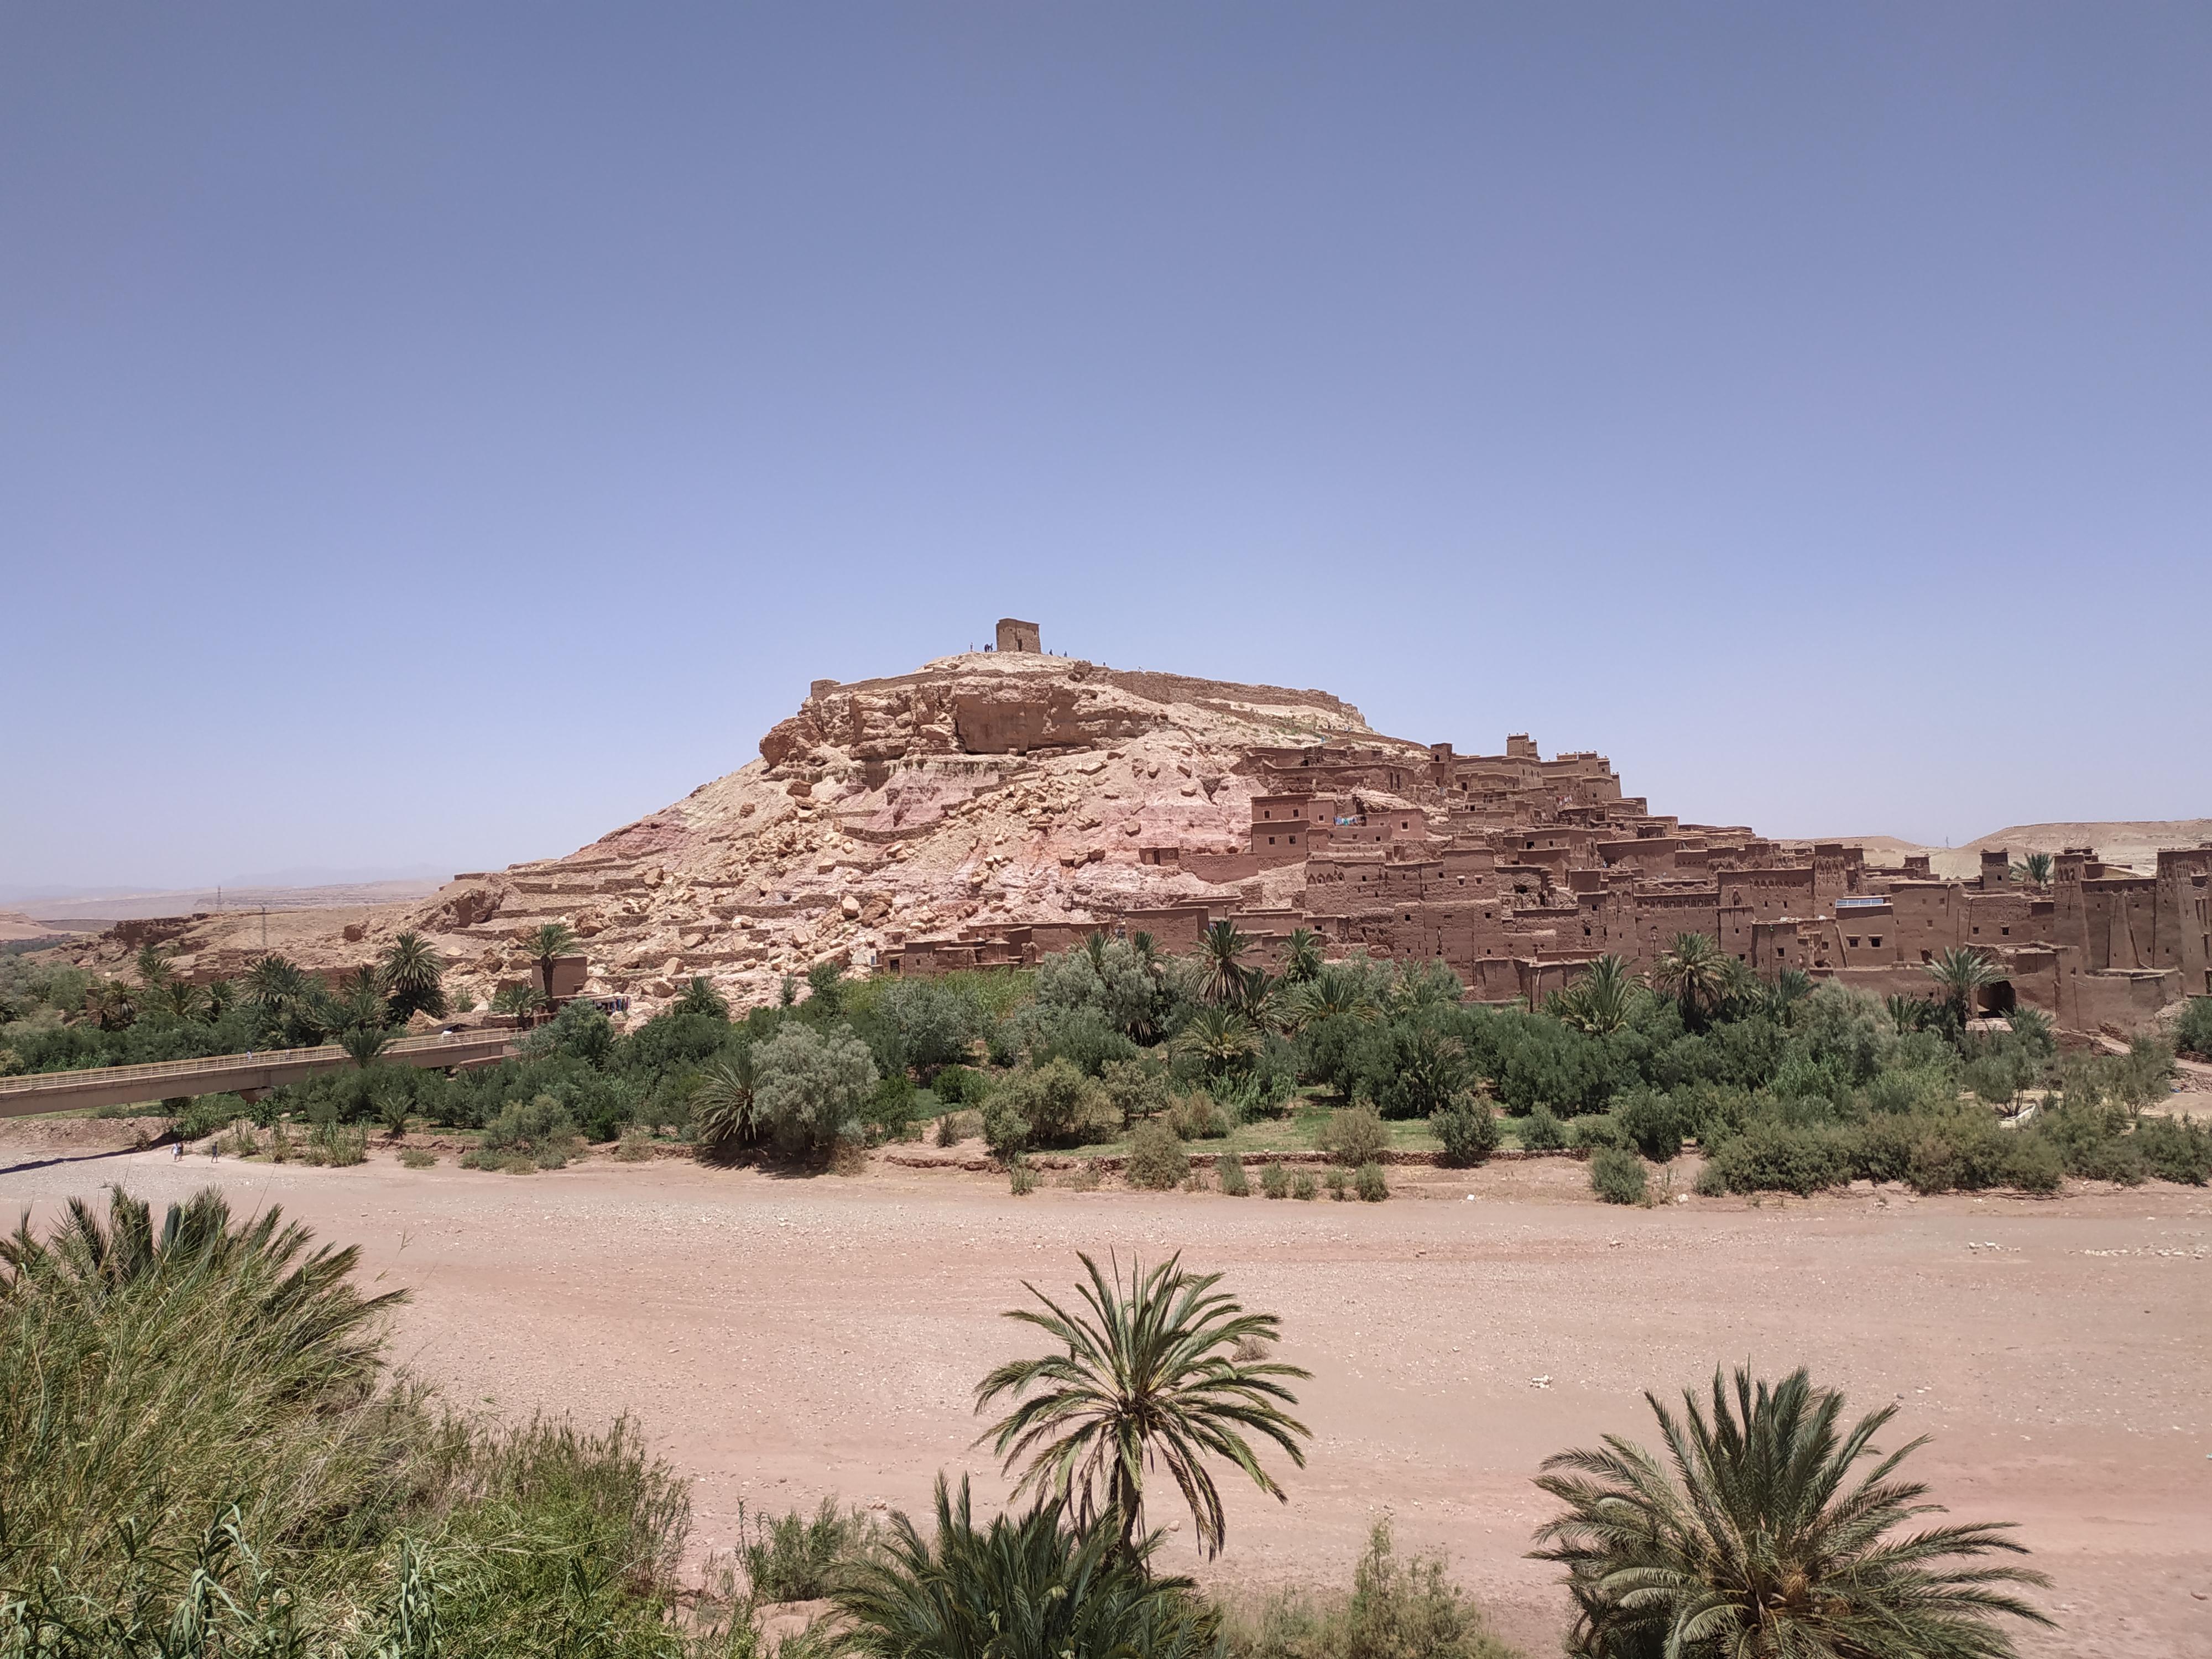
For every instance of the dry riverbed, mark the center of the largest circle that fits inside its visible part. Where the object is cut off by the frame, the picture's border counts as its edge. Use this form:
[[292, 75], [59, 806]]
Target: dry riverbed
[[784, 1338]]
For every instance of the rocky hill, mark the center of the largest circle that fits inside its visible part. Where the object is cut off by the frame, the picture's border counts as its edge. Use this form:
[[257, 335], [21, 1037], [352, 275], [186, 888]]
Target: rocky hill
[[990, 786]]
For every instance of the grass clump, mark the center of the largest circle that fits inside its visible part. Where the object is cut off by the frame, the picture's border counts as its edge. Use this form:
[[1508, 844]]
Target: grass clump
[[801, 1557], [1304, 1185], [1399, 1608], [636, 1146], [1617, 1175], [1367, 1183], [1274, 1180], [417, 1157], [1229, 1173], [1021, 1180], [1335, 1179], [336, 1145], [201, 1452]]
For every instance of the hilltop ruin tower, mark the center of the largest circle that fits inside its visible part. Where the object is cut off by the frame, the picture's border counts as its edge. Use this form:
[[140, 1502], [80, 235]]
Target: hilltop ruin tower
[[1017, 635]]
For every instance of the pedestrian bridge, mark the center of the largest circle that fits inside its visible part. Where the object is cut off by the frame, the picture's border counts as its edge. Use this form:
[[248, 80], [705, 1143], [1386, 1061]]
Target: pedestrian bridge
[[232, 1074]]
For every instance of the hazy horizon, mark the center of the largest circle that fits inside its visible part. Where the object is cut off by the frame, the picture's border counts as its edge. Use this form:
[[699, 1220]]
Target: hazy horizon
[[433, 438]]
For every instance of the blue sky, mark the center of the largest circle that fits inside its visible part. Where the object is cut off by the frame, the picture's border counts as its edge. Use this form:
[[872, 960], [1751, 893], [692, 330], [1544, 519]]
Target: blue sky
[[434, 435]]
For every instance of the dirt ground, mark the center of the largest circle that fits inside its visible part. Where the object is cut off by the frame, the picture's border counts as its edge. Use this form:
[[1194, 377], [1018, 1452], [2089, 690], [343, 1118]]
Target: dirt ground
[[783, 1339]]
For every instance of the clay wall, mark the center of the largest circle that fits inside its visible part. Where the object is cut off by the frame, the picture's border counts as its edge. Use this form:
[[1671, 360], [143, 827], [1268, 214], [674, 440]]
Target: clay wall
[[1285, 843], [2183, 941], [2120, 917], [1930, 917], [2013, 916], [2124, 999], [1776, 945], [1865, 934], [1658, 916]]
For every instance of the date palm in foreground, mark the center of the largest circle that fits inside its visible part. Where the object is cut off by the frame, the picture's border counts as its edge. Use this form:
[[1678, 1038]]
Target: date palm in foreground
[[1150, 1376], [1759, 1542]]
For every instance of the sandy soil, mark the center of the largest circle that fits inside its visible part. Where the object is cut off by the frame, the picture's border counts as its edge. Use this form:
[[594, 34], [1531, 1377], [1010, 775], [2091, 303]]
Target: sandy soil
[[785, 1337]]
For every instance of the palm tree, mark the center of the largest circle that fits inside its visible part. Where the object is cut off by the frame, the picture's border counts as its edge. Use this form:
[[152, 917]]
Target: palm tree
[[1262, 998], [1424, 985], [306, 1295], [1302, 956], [413, 976], [1759, 1542], [1693, 974], [516, 1000], [1908, 1013], [1338, 989], [722, 1115], [180, 998], [153, 965], [365, 1044], [1961, 972], [1149, 1375], [1024, 1587], [2035, 870], [112, 1006], [1222, 1038], [274, 980], [552, 940], [1790, 987], [1601, 1002], [1221, 949]]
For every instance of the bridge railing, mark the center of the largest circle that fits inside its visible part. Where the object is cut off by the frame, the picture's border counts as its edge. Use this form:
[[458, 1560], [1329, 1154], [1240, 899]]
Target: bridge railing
[[209, 1065]]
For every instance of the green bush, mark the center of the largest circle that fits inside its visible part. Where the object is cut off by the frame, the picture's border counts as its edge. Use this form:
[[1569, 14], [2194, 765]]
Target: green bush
[[1542, 1132], [526, 1126], [956, 1085], [1136, 1088], [417, 1157], [1354, 1136], [1060, 1106], [1274, 1181], [1005, 1131], [1196, 1117], [2034, 1166], [1651, 1122], [1229, 1171], [2193, 1036], [811, 1090], [1021, 1180], [2176, 1148], [1468, 1130], [1589, 1134], [1367, 1181], [1335, 1179], [1304, 1185], [1157, 1160], [1617, 1175], [1768, 1158]]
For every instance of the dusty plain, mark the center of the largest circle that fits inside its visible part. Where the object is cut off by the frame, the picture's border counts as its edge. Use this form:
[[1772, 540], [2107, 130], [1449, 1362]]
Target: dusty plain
[[783, 1338]]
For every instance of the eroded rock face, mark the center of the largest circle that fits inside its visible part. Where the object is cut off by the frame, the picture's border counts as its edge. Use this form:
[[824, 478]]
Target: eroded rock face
[[981, 789]]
